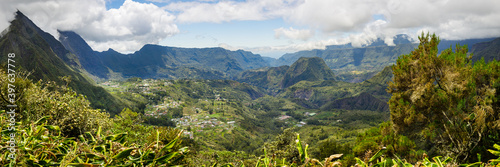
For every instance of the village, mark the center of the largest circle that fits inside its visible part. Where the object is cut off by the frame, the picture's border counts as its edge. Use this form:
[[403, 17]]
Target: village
[[198, 121]]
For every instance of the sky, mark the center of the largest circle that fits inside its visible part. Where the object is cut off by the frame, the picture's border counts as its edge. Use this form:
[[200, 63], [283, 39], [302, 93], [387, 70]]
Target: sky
[[267, 27]]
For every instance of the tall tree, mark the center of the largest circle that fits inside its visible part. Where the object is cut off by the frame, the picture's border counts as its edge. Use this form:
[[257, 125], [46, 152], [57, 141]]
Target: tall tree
[[444, 101]]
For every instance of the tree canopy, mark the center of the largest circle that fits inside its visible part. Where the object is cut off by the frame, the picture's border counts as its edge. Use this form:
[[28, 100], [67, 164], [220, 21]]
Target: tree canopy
[[444, 100]]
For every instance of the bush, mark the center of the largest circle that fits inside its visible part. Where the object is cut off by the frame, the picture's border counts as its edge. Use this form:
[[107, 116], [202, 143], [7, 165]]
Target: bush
[[64, 107]]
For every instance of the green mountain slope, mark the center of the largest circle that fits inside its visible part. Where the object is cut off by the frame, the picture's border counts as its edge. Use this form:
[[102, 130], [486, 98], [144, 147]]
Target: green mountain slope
[[363, 101], [383, 76], [39, 53], [268, 77], [275, 78], [307, 69], [76, 45], [367, 95], [489, 50]]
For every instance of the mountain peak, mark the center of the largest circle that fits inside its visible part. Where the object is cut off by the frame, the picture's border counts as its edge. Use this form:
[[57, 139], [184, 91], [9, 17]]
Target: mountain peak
[[309, 69], [48, 60], [22, 23]]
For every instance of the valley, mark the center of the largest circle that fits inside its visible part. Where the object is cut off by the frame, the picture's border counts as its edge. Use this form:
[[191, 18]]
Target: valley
[[215, 107]]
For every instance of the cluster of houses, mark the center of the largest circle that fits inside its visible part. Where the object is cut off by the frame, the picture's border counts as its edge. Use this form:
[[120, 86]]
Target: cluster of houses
[[110, 84], [201, 124], [162, 109], [301, 123]]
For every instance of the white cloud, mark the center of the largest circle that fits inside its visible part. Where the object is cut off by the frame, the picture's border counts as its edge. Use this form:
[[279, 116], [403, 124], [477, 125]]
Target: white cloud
[[125, 29], [292, 33], [333, 15], [458, 19], [51, 15], [129, 27], [159, 1], [225, 11]]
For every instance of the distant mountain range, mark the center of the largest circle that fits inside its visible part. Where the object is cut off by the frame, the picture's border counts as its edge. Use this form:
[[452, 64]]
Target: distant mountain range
[[353, 64], [154, 61]]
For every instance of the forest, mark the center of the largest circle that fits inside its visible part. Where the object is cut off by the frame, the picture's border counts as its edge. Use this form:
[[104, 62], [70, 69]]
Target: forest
[[443, 111]]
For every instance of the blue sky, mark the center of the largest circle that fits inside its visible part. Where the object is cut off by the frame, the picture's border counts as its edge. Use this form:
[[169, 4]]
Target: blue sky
[[267, 27], [240, 34]]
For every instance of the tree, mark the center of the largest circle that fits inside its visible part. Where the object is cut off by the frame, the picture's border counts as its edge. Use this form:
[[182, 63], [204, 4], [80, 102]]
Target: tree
[[444, 100]]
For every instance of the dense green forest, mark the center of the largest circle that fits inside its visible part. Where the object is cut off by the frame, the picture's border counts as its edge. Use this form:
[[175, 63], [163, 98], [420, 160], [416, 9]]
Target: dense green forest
[[442, 111]]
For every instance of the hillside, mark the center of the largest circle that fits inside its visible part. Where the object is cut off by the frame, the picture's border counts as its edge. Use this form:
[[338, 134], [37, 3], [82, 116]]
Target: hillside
[[329, 94], [307, 69], [154, 61], [268, 77], [363, 101], [276, 78], [87, 57], [489, 50], [42, 55], [382, 77]]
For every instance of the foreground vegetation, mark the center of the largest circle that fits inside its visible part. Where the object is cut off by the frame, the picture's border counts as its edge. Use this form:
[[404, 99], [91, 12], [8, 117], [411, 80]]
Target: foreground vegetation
[[443, 112]]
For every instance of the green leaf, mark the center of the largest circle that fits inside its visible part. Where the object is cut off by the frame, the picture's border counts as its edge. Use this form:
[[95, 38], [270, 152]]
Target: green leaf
[[116, 137], [89, 135], [43, 119], [377, 155], [82, 139], [157, 137], [82, 165], [53, 128], [496, 146], [438, 161], [302, 150], [167, 157], [100, 148], [92, 156], [123, 154], [360, 162], [98, 134], [134, 159], [400, 162], [120, 137], [496, 153], [169, 146], [44, 138], [447, 160], [258, 162], [477, 164]]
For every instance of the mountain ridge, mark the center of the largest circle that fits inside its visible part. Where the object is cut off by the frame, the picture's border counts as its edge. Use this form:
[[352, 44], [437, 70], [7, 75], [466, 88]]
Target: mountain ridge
[[156, 61], [40, 54], [356, 64]]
